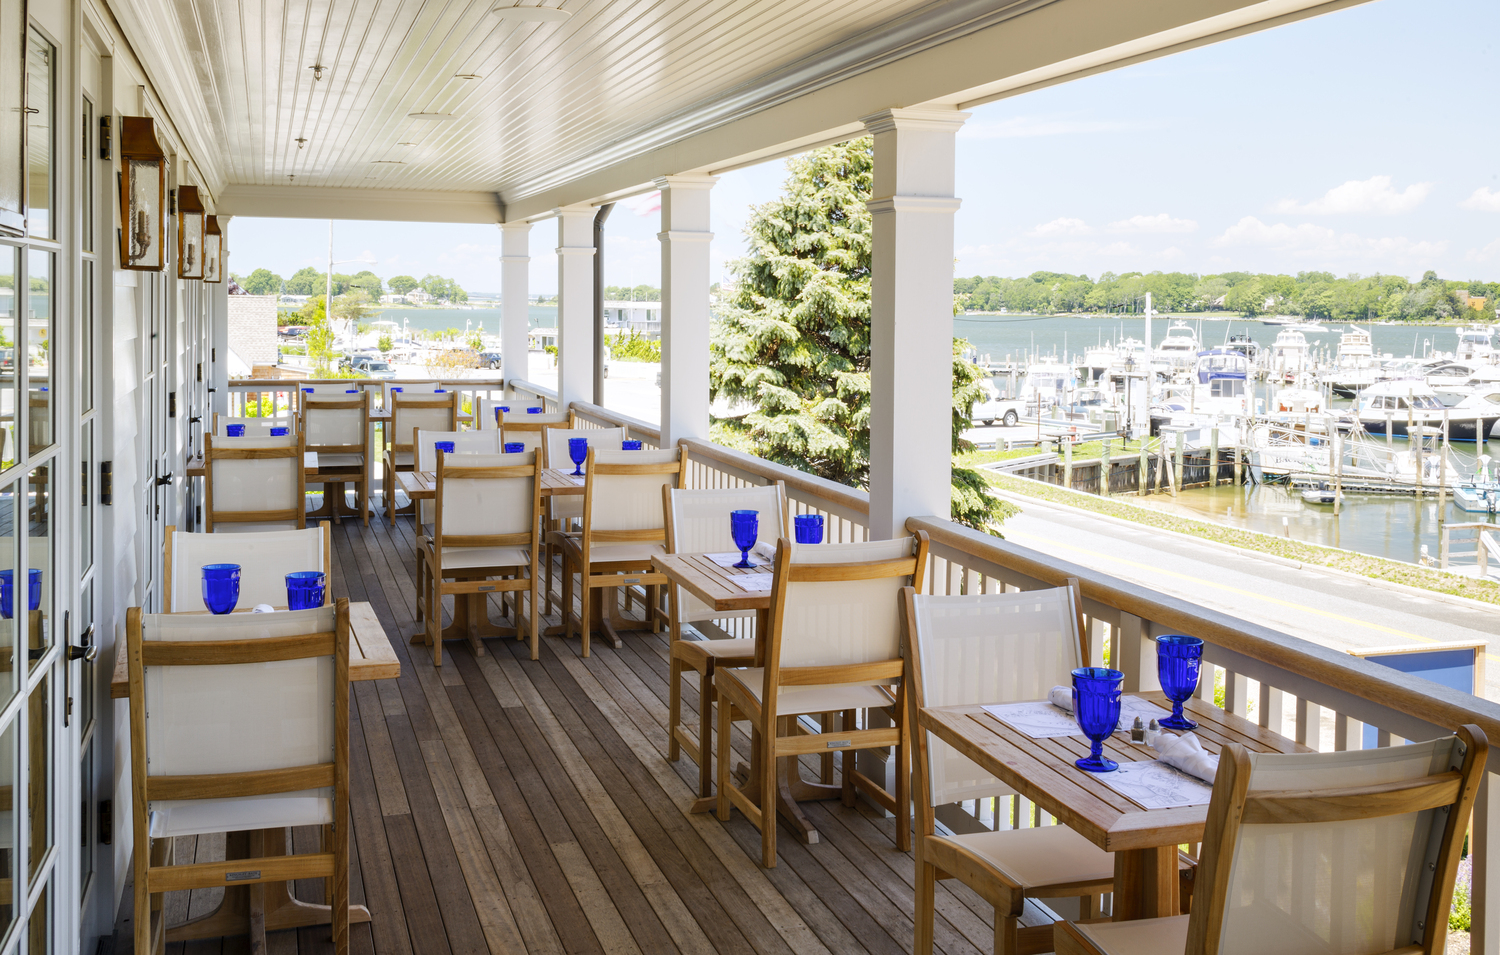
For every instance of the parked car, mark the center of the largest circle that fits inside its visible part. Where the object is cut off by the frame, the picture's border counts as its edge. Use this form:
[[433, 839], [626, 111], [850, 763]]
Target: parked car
[[375, 367], [992, 407], [489, 359]]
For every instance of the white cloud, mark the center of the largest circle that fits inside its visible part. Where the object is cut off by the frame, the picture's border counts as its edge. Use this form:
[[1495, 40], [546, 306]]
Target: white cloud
[[1028, 127], [1308, 240], [1119, 248], [1490, 253], [1171, 253], [1483, 200], [1157, 223], [1062, 226], [1374, 195]]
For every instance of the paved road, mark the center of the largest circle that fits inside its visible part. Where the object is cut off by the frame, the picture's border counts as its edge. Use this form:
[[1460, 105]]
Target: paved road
[[1329, 609]]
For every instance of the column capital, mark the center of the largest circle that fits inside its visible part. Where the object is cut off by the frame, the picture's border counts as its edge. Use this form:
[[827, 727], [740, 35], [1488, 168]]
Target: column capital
[[522, 226], [934, 120], [685, 182], [945, 205], [515, 258], [683, 235], [574, 211]]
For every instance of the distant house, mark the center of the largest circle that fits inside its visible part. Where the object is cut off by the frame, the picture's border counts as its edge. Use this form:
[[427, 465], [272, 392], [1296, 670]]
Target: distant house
[[393, 299], [418, 297], [297, 301]]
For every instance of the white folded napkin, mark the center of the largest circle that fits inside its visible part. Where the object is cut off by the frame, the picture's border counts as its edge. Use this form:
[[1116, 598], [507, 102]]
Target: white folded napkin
[[766, 549], [1186, 753], [1061, 696], [263, 608]]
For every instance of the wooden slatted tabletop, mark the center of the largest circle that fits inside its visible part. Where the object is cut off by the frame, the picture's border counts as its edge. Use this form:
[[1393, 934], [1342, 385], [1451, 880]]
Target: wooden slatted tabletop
[[1144, 840], [711, 583], [370, 653]]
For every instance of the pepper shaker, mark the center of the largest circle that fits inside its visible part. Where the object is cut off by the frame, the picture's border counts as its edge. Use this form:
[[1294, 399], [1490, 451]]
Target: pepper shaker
[[1138, 731]]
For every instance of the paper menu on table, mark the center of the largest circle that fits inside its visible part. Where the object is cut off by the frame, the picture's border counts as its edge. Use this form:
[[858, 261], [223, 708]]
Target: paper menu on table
[[752, 583], [1155, 785], [725, 560], [1042, 720]]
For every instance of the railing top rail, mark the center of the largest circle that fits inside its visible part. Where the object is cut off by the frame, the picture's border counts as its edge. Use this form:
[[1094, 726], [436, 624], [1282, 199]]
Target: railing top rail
[[587, 409], [1469, 525], [811, 485], [520, 384], [273, 384], [1392, 689]]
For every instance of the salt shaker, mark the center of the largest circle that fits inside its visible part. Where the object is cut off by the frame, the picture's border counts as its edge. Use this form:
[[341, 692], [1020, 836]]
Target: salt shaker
[[1138, 731], [1152, 732]]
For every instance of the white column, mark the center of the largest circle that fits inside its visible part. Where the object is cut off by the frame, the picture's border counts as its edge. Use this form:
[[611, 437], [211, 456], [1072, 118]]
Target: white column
[[515, 320], [575, 305], [684, 306], [911, 315]]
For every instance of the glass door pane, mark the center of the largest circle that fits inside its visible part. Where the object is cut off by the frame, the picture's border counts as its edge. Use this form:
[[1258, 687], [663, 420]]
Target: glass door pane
[[12, 116], [40, 70]]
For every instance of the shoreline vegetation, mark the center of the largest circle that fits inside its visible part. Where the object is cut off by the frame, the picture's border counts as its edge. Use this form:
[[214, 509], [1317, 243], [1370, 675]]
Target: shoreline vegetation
[[1018, 489]]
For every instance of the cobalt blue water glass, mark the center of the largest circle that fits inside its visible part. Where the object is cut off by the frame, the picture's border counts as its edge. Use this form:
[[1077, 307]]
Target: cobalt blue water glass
[[744, 526], [1096, 705], [578, 451], [234, 430], [630, 445], [533, 410], [304, 589], [515, 447], [278, 432], [307, 391], [809, 528], [34, 589], [444, 446], [395, 390], [351, 391], [221, 587], [1178, 660], [440, 391], [6, 593]]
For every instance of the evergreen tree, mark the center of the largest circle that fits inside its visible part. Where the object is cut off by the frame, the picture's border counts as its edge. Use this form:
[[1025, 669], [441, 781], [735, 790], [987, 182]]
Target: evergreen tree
[[793, 337]]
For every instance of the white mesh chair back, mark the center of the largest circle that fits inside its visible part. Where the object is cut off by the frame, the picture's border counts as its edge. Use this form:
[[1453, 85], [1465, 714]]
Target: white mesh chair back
[[555, 453], [237, 718], [990, 648], [629, 502], [333, 427], [527, 428], [325, 388], [837, 623], [265, 558], [407, 388], [1348, 887], [464, 442], [490, 410], [700, 525], [264, 484], [423, 415], [491, 505], [254, 427]]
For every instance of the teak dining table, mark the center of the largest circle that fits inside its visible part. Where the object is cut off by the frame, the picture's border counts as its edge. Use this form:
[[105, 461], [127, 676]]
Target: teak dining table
[[714, 585], [370, 658], [1144, 841]]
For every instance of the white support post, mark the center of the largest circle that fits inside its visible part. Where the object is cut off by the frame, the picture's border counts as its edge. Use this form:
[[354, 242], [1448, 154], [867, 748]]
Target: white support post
[[575, 305], [911, 315], [515, 320], [685, 241]]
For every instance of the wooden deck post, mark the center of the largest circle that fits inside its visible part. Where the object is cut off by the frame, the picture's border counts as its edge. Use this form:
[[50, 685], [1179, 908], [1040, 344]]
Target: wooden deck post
[[515, 264]]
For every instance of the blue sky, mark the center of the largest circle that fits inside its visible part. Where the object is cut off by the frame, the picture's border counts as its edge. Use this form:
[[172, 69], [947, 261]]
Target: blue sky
[[1362, 141]]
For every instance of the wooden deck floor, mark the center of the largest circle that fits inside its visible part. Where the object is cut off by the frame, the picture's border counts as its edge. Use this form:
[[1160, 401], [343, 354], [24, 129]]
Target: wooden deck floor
[[507, 805]]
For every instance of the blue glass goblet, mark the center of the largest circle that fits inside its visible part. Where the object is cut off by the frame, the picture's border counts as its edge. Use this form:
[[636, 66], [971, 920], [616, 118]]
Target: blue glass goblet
[[578, 451], [444, 446], [809, 528], [515, 447], [1178, 660], [34, 588], [533, 410], [234, 430], [1096, 704], [397, 391], [630, 445], [7, 594], [744, 526], [304, 589], [278, 432], [221, 587], [440, 391]]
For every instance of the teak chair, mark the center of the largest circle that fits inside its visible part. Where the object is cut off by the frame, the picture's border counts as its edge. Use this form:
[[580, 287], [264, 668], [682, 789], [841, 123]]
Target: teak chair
[[564, 509], [253, 484], [834, 646], [698, 523], [527, 428], [407, 388], [1350, 853], [993, 648], [464, 442], [238, 723], [265, 558], [410, 414], [338, 428], [495, 503], [487, 411], [624, 526]]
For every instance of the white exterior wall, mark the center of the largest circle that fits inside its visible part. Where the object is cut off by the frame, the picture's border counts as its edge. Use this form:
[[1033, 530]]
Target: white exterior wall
[[251, 327]]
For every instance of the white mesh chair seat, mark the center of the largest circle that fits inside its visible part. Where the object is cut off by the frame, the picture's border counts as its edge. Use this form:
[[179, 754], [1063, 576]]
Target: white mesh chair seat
[[464, 558], [264, 558], [1165, 936], [340, 460], [1039, 856], [806, 700], [191, 817]]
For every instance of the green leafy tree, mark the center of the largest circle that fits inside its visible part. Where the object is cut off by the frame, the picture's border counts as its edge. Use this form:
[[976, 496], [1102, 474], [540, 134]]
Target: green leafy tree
[[353, 306], [793, 341], [368, 281], [972, 500], [305, 281], [262, 282], [401, 284], [384, 343]]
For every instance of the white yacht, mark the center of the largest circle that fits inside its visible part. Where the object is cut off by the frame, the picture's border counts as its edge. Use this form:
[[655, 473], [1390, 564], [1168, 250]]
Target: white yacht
[[1049, 383], [1395, 404], [1288, 356], [1179, 348], [1355, 366], [1476, 343]]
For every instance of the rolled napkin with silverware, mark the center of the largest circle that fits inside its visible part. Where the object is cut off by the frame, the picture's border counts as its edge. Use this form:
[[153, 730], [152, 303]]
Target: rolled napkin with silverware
[[1186, 753], [1062, 697], [766, 549]]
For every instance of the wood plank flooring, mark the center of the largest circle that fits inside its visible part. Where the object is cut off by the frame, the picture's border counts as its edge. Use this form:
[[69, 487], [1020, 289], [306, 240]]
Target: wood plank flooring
[[506, 805]]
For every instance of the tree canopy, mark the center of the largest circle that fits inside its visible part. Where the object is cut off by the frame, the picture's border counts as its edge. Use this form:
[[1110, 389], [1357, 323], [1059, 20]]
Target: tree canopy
[[793, 338], [262, 282], [401, 284]]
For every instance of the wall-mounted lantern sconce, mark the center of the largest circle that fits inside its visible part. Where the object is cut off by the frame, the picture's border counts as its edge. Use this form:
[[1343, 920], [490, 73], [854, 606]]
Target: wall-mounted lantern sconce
[[143, 196], [189, 233], [213, 250]]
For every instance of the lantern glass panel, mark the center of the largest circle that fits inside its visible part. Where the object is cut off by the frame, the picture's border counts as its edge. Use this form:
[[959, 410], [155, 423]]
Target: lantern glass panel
[[212, 257], [190, 265], [143, 231]]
